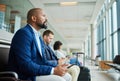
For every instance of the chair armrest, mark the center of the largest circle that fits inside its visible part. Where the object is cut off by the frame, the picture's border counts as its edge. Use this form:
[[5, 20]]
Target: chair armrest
[[9, 74]]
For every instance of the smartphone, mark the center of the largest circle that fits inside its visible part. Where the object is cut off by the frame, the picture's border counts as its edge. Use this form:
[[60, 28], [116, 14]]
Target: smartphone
[[70, 65]]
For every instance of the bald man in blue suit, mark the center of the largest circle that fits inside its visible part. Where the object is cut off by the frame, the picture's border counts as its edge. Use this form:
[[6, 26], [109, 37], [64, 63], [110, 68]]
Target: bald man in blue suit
[[26, 56]]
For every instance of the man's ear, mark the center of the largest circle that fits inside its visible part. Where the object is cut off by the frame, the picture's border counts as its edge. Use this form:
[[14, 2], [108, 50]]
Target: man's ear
[[45, 37], [33, 18]]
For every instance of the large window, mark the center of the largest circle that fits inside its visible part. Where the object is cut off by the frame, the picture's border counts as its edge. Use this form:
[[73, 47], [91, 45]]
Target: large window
[[101, 43], [113, 31], [104, 34], [118, 24]]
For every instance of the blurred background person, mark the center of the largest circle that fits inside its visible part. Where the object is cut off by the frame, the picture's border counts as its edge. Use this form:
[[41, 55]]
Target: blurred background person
[[58, 51]]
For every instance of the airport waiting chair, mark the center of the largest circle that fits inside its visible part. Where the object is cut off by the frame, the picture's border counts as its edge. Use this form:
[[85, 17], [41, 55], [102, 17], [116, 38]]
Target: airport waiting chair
[[103, 66], [6, 75]]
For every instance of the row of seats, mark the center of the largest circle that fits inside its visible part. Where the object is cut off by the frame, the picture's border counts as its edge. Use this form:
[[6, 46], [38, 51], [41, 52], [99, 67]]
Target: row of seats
[[103, 66]]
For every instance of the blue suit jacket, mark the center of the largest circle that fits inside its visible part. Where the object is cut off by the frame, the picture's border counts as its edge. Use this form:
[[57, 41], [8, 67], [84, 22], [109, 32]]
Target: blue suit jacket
[[24, 55]]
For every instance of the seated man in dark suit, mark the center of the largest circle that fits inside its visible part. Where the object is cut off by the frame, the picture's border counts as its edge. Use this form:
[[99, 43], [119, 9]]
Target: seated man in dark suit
[[26, 56], [48, 35]]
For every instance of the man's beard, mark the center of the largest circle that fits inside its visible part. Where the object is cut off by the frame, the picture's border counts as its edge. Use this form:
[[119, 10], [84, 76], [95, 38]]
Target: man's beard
[[44, 25]]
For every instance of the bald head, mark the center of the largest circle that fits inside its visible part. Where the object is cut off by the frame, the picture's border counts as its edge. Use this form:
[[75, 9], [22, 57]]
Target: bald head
[[37, 18], [32, 12]]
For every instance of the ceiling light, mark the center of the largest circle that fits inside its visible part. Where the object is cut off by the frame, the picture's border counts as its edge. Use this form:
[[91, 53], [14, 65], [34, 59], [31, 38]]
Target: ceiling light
[[68, 3]]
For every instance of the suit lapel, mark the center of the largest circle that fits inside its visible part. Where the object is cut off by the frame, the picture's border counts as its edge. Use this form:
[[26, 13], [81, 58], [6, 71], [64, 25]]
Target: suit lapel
[[34, 39], [36, 43], [42, 46]]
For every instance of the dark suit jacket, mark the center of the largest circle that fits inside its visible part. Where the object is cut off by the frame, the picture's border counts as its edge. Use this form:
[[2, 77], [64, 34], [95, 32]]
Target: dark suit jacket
[[50, 55], [24, 56]]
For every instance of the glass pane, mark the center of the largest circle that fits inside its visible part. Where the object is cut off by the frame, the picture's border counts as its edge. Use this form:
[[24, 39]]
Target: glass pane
[[104, 27], [111, 48], [115, 43], [114, 17], [110, 22]]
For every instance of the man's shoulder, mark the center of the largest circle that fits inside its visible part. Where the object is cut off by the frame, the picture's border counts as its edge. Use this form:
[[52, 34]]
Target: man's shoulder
[[26, 29]]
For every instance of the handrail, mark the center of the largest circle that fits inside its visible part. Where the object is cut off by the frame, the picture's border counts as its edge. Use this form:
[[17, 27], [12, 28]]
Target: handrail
[[4, 43], [116, 66], [14, 74]]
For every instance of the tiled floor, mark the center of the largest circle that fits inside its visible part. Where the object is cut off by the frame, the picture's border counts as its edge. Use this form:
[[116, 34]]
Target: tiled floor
[[98, 75]]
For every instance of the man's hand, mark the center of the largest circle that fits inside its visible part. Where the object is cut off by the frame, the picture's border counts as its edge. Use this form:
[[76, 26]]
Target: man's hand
[[61, 61], [60, 70]]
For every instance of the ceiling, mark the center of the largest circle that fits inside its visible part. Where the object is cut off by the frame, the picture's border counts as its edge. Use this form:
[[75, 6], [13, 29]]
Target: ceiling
[[71, 24]]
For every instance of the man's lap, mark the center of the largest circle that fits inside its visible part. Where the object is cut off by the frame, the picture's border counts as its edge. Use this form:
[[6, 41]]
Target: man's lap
[[66, 77], [49, 78]]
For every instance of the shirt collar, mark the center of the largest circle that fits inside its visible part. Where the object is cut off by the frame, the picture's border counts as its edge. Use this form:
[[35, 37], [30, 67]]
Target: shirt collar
[[34, 30]]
